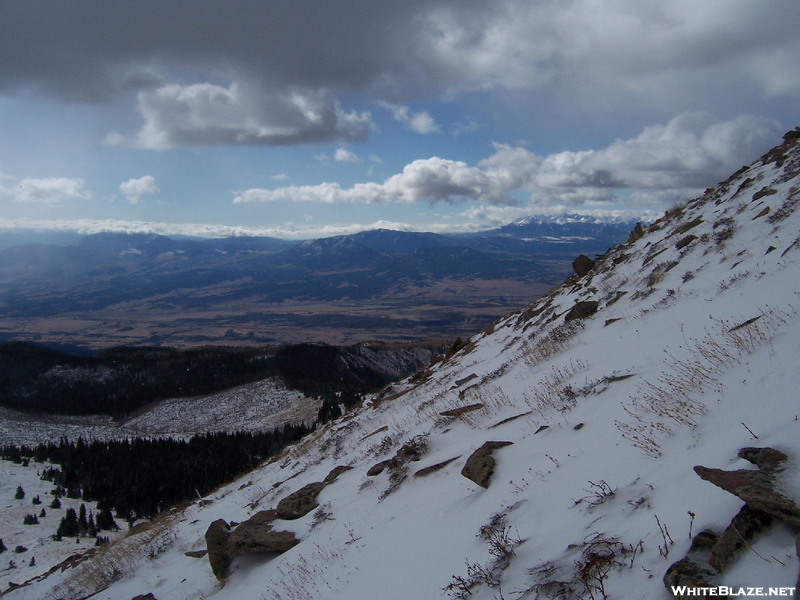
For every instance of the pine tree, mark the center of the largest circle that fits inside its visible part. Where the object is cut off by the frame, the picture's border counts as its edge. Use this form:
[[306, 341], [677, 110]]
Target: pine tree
[[69, 524], [2, 546], [56, 503], [91, 529], [83, 524], [20, 493]]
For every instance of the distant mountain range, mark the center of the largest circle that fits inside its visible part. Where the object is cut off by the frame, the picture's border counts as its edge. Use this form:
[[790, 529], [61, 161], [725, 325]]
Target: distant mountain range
[[118, 288]]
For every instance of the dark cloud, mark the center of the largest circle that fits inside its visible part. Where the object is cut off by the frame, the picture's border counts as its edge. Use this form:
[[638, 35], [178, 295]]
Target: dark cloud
[[581, 61], [207, 114], [77, 49]]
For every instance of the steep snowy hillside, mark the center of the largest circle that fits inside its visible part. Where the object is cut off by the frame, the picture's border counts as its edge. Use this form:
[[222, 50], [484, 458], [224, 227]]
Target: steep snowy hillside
[[676, 349]]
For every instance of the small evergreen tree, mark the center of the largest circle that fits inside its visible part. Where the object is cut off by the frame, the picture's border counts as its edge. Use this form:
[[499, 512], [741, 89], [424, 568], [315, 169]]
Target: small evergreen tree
[[69, 524], [43, 513], [56, 503], [30, 520], [36, 500], [2, 546], [33, 562], [105, 521], [20, 493], [83, 524]]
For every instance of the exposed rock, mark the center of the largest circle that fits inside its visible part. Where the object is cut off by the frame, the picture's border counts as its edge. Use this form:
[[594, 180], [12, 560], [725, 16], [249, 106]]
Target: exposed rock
[[216, 540], [509, 419], [690, 570], [301, 502], [434, 468], [335, 472], [467, 379], [458, 344], [582, 310], [149, 596], [636, 233], [685, 241], [410, 451], [461, 410], [757, 489], [705, 540], [767, 459], [256, 535], [378, 468], [764, 212], [480, 465], [377, 431], [743, 527], [687, 573], [582, 265], [687, 226], [196, 553]]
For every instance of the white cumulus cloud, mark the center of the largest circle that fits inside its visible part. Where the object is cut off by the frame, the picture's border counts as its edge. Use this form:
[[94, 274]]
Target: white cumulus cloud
[[205, 114], [693, 150], [134, 189], [342, 155], [418, 122], [50, 191]]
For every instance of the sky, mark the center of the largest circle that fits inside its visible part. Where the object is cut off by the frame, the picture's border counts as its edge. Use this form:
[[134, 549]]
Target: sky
[[313, 118]]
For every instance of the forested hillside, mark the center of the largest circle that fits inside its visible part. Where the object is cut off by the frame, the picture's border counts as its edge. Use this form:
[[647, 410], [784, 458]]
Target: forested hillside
[[119, 381]]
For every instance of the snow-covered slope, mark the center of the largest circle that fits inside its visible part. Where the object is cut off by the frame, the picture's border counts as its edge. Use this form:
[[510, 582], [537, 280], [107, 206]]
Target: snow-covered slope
[[690, 356]]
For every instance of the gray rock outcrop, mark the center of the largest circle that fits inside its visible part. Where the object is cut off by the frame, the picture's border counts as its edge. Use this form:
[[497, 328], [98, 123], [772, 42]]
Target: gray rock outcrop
[[582, 265], [747, 523], [479, 467], [256, 535], [298, 504], [756, 488], [216, 542], [582, 310], [767, 459]]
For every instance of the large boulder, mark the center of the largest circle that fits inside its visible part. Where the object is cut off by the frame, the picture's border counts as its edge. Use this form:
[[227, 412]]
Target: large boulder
[[756, 488], [691, 571], [687, 573], [304, 500], [636, 233], [582, 310], [480, 465], [335, 472], [766, 459], [216, 542], [582, 265], [747, 523], [256, 535], [301, 502]]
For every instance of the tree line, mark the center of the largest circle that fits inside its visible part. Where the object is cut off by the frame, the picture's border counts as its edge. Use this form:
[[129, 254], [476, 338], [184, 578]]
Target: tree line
[[139, 478], [119, 381]]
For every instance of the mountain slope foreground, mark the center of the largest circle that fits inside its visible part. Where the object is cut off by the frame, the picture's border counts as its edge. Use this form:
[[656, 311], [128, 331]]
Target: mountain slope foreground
[[682, 351]]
